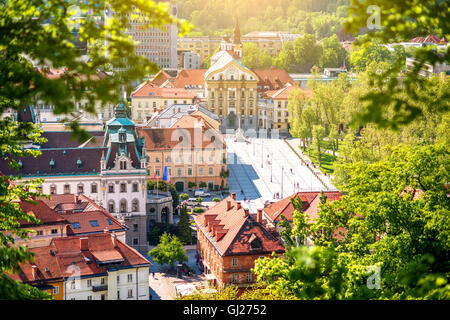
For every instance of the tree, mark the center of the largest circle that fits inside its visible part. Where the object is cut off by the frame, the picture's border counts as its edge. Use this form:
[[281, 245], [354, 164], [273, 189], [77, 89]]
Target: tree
[[334, 137], [38, 36], [184, 196], [333, 53], [202, 184], [318, 134], [184, 226], [199, 200], [255, 58], [216, 199], [300, 55], [191, 184], [408, 19], [364, 55], [383, 213], [168, 251]]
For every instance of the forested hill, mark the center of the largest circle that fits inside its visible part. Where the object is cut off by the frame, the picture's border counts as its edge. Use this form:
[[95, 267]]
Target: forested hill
[[216, 17]]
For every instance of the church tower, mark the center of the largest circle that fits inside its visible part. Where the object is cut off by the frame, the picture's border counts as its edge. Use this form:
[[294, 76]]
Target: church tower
[[237, 45]]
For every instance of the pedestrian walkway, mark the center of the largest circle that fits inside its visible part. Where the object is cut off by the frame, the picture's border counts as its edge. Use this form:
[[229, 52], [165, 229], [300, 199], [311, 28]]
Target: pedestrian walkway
[[268, 170], [295, 144]]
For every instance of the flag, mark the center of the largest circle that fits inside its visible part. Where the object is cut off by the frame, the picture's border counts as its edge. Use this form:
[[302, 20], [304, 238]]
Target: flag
[[165, 174]]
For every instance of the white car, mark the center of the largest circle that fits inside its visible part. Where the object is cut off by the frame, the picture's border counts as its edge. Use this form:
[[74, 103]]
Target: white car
[[201, 193]]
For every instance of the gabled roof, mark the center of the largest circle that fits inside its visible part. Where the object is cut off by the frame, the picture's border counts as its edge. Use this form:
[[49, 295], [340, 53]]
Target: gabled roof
[[310, 202], [63, 139], [42, 212], [190, 77], [283, 93], [229, 230]]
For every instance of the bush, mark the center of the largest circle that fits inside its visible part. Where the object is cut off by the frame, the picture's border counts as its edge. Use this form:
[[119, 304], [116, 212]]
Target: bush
[[216, 199], [198, 210]]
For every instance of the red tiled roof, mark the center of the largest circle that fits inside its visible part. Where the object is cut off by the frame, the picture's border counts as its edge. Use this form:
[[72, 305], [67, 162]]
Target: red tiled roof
[[230, 230], [310, 202], [81, 209], [188, 121], [42, 212], [273, 77], [190, 77], [100, 249], [160, 78], [148, 90], [283, 93]]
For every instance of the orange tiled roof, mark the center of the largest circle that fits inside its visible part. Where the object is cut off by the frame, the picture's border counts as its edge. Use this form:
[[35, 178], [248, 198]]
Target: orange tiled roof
[[148, 91], [190, 77], [188, 121], [273, 77], [283, 93], [161, 77], [310, 202], [230, 230], [42, 212]]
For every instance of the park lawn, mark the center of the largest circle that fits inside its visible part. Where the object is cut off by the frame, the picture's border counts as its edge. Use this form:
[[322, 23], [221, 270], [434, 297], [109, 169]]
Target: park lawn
[[327, 160]]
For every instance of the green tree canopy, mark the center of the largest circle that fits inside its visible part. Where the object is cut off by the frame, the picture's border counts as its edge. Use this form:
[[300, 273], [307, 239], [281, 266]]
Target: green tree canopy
[[168, 251]]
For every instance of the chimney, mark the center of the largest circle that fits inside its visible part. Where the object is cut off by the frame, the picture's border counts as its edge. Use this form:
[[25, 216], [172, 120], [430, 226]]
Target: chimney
[[238, 205], [228, 205], [246, 211], [84, 244], [259, 216], [106, 230], [114, 240], [233, 195], [34, 271]]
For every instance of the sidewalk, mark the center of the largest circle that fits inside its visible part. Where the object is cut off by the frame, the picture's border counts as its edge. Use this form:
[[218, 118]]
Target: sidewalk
[[295, 144]]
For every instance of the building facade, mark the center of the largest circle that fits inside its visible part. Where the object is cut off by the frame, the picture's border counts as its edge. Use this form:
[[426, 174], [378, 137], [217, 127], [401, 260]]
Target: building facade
[[230, 239]]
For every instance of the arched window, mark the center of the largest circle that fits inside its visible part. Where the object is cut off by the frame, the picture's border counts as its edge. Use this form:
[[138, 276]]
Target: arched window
[[123, 206], [135, 205], [53, 189], [135, 187], [80, 188], [67, 188], [93, 188]]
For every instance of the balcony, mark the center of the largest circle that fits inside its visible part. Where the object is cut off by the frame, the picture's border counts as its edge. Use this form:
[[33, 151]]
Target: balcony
[[102, 287]]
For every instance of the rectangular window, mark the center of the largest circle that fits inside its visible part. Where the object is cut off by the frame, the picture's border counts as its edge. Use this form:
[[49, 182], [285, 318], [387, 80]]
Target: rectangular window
[[179, 172], [249, 277], [135, 227], [93, 223], [80, 189], [234, 262], [130, 293], [189, 171], [89, 283], [210, 170], [118, 279], [135, 241], [102, 281], [130, 278], [235, 277], [54, 231], [66, 188], [39, 233], [76, 225], [55, 290], [52, 189], [123, 187], [118, 294], [109, 221], [94, 188]]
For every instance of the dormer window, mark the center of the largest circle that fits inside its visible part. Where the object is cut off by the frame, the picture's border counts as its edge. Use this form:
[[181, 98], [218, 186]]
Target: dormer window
[[52, 164], [79, 163], [123, 165]]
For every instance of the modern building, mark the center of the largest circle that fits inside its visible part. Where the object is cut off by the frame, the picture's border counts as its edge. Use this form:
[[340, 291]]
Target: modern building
[[157, 45], [230, 239], [91, 267]]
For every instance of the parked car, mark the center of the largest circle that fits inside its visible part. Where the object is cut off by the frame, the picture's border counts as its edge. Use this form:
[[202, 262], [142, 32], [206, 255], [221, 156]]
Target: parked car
[[201, 193]]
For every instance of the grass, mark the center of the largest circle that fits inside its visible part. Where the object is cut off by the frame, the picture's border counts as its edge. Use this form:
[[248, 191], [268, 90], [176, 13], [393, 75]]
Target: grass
[[327, 160]]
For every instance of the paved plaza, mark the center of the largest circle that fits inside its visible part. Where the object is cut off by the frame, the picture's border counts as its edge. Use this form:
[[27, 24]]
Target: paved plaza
[[261, 168]]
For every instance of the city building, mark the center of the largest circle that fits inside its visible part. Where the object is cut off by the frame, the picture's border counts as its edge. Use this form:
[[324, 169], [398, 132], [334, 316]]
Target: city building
[[192, 155], [230, 239], [109, 170], [310, 205], [188, 60], [273, 107], [167, 117], [90, 267], [147, 99], [157, 45]]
